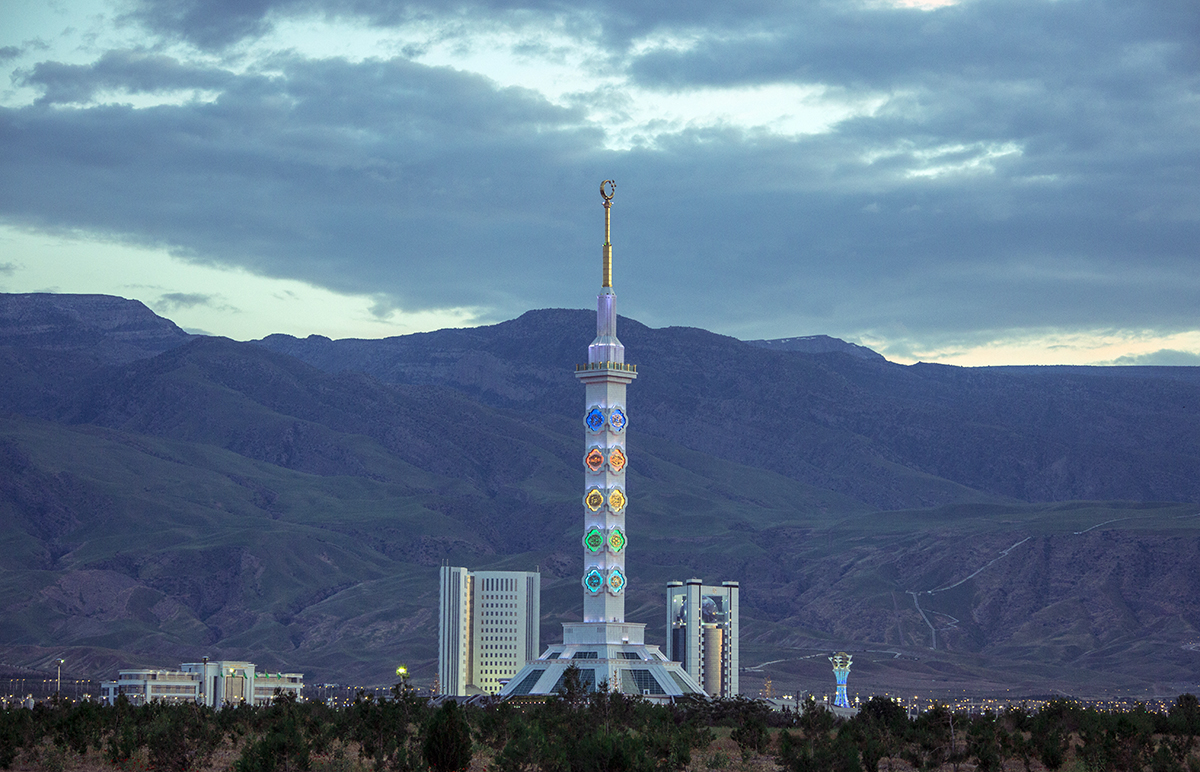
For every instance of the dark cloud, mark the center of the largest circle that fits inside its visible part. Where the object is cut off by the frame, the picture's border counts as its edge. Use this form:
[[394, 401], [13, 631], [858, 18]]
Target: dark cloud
[[218, 24], [9, 52], [873, 46], [206, 23], [1033, 165], [1166, 356], [127, 71], [7, 269], [426, 183], [173, 301]]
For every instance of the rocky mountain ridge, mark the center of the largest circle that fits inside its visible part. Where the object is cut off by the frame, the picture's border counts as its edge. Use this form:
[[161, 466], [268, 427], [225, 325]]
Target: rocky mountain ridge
[[889, 435], [817, 344], [109, 329]]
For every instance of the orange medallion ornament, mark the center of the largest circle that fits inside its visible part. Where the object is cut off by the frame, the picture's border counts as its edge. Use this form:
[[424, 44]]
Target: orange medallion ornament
[[616, 460], [594, 460]]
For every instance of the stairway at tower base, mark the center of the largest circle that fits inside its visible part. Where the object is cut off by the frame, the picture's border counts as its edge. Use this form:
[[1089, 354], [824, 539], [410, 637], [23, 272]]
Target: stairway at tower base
[[606, 653]]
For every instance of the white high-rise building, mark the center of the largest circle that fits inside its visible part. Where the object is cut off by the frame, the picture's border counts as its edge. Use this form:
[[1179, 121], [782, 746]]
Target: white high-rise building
[[702, 633], [488, 626], [605, 647]]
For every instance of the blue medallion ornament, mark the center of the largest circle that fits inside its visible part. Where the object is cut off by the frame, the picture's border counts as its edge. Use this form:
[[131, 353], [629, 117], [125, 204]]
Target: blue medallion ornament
[[595, 419], [616, 419]]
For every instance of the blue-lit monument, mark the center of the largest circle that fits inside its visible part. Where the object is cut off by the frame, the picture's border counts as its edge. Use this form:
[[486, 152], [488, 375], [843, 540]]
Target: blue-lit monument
[[841, 671]]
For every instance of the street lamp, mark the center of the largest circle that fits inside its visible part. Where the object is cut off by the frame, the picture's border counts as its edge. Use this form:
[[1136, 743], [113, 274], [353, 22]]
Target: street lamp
[[58, 689], [401, 688]]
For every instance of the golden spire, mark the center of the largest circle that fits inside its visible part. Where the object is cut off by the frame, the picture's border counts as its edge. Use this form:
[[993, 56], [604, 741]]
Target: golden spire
[[608, 189]]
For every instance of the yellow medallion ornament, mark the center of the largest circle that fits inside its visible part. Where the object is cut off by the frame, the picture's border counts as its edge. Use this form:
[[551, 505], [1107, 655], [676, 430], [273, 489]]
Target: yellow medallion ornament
[[616, 500], [616, 460], [594, 460], [616, 581], [594, 499]]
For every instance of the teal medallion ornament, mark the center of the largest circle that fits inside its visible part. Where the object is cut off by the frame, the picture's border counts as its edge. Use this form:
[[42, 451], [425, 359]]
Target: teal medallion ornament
[[593, 581]]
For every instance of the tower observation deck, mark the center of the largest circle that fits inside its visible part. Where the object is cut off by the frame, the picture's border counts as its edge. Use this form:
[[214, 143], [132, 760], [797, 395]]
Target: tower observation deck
[[605, 647]]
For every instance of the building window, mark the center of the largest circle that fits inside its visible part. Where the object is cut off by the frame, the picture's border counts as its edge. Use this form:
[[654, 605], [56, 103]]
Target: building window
[[645, 682], [587, 678]]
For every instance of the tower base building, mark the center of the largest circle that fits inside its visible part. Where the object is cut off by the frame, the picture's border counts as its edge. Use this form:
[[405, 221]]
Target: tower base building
[[613, 655], [702, 633]]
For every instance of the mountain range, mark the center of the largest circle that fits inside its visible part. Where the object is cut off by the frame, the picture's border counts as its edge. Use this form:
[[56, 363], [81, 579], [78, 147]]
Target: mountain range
[[166, 496]]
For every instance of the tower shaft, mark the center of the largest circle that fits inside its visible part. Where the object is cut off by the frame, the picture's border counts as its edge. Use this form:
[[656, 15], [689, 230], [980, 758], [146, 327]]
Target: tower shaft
[[605, 377]]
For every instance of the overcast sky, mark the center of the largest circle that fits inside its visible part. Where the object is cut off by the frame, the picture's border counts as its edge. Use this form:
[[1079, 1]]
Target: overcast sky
[[988, 181]]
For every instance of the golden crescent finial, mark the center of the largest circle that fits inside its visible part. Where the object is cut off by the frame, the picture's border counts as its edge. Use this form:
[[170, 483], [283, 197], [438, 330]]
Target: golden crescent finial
[[608, 189]]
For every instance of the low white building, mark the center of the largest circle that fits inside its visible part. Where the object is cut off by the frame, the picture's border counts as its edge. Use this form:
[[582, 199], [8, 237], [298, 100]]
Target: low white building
[[215, 684], [144, 685]]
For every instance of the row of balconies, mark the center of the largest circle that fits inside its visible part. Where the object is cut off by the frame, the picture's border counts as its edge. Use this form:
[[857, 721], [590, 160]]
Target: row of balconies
[[606, 365]]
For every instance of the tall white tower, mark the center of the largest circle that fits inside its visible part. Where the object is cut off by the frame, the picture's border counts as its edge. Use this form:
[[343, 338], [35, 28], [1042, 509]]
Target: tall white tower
[[605, 376], [605, 648]]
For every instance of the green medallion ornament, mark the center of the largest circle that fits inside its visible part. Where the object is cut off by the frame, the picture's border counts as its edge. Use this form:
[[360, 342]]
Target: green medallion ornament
[[594, 540]]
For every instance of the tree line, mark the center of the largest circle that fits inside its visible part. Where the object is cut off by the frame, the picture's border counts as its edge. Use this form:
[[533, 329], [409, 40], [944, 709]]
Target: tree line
[[591, 731]]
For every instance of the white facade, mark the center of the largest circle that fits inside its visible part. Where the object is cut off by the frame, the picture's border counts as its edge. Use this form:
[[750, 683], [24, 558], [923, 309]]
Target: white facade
[[605, 647], [488, 626], [215, 684], [702, 633], [145, 685]]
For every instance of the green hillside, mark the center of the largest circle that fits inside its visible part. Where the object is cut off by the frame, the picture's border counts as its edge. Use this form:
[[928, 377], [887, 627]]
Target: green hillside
[[169, 549], [187, 497]]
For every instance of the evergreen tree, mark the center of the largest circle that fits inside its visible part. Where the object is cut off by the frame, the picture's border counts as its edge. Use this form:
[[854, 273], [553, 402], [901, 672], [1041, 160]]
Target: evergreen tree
[[447, 745]]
